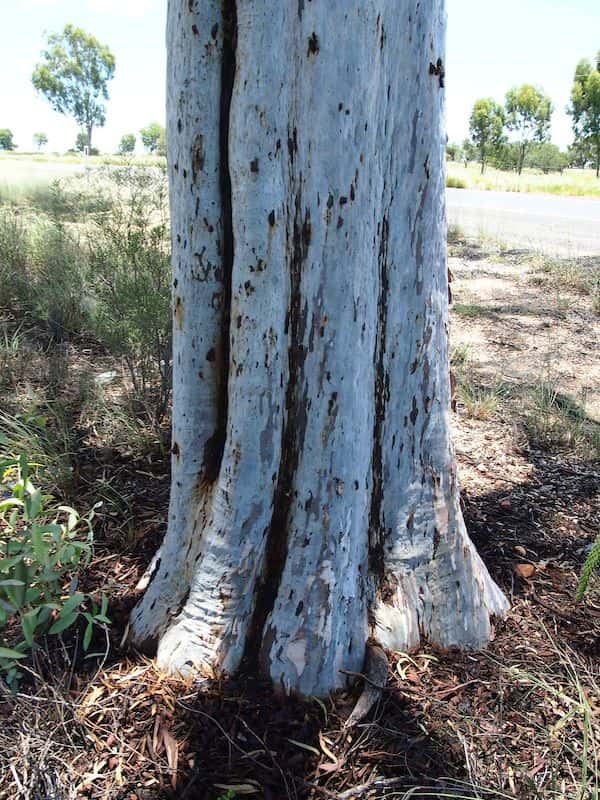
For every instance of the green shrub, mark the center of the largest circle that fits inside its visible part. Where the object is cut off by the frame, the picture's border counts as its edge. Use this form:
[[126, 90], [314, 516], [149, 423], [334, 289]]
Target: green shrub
[[452, 182], [42, 548], [130, 279], [591, 563], [15, 253]]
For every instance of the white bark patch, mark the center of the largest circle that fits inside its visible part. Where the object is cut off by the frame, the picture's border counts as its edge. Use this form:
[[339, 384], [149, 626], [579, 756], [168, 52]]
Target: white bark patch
[[336, 494]]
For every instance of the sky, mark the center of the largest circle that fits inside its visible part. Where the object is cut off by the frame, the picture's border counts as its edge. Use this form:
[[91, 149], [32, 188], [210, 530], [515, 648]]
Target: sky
[[491, 47]]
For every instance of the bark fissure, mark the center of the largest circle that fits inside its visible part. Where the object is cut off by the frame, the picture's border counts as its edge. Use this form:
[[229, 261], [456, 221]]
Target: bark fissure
[[380, 397], [213, 454], [294, 423]]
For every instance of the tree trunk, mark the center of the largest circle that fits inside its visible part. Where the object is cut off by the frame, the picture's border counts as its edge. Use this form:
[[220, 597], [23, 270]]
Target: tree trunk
[[314, 497], [89, 129]]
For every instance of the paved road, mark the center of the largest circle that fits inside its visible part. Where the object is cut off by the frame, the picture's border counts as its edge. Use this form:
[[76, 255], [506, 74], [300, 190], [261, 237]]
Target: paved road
[[564, 226]]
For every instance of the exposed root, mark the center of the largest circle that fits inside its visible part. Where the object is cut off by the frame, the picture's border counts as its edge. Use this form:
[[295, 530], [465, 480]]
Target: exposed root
[[376, 672]]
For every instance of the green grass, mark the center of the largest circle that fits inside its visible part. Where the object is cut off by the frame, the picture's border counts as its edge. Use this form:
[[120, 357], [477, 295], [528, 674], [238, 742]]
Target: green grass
[[574, 182], [555, 421], [470, 309]]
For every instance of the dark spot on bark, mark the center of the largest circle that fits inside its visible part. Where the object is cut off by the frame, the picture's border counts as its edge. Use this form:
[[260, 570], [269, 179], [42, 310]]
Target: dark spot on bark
[[179, 129], [214, 30], [414, 413], [426, 167], [299, 608], [195, 30], [178, 313], [436, 541], [197, 155], [427, 404], [175, 449], [330, 201], [343, 201], [249, 288], [293, 145], [340, 106], [414, 366], [352, 193], [272, 217], [313, 45], [175, 283], [306, 229], [211, 355], [254, 165]]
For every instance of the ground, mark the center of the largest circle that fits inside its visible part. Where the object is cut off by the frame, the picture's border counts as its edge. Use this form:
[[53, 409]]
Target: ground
[[518, 720]]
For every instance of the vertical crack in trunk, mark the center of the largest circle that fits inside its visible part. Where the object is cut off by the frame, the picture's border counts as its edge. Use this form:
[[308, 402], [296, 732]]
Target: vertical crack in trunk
[[213, 453], [381, 396], [292, 437]]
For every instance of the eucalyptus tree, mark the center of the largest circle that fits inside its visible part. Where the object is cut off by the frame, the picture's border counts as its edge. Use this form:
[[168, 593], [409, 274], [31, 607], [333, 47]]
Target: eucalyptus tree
[[314, 496], [528, 114], [585, 108], [73, 76], [486, 126]]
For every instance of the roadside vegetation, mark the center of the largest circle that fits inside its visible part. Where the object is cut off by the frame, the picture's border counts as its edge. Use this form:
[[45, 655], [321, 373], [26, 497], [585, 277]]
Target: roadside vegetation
[[573, 182], [84, 427]]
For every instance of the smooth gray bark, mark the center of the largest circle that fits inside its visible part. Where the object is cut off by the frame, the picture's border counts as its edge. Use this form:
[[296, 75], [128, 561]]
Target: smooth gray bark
[[314, 499]]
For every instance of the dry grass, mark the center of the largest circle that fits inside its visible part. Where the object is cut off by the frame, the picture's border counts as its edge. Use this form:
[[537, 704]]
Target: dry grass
[[575, 182]]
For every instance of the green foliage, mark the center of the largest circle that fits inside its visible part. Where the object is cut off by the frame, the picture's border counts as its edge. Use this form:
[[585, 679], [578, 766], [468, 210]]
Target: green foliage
[[40, 139], [127, 144], [452, 182], [153, 138], [546, 157], [528, 113], [42, 548], [585, 109], [6, 139], [73, 76], [130, 282], [486, 126], [591, 564], [454, 151]]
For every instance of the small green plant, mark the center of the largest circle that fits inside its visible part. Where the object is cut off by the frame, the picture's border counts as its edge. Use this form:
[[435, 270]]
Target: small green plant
[[469, 309], [555, 421], [591, 563], [42, 548], [480, 402]]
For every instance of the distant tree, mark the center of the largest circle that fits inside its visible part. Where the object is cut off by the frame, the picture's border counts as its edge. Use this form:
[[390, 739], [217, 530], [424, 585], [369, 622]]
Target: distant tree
[[161, 148], [506, 156], [152, 135], [73, 77], [579, 154], [486, 126], [127, 144], [528, 113], [454, 151], [81, 141], [469, 152], [40, 139], [6, 139], [546, 157], [585, 108]]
